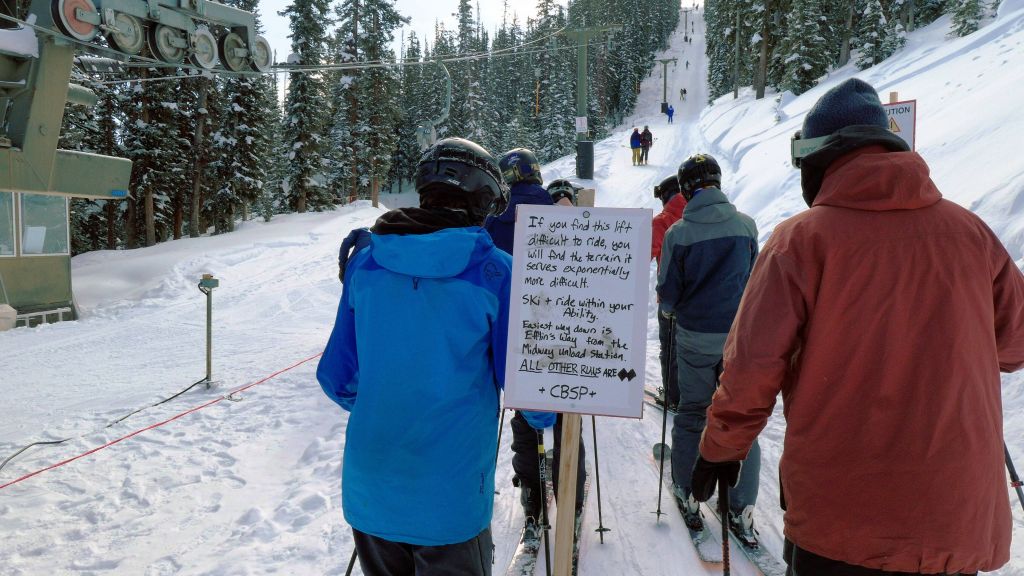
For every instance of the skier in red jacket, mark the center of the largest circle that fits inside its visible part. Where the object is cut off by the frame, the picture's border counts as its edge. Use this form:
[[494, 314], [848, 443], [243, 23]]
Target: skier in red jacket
[[884, 315], [672, 203]]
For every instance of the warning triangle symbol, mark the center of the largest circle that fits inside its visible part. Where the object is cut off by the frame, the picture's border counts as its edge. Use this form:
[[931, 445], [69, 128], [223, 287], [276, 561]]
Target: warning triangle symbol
[[893, 126]]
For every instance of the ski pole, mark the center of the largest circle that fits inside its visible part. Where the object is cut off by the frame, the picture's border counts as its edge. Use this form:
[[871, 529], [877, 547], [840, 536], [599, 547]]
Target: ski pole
[[351, 563], [723, 505], [1014, 479], [497, 451], [501, 426], [664, 416], [597, 472], [543, 456]]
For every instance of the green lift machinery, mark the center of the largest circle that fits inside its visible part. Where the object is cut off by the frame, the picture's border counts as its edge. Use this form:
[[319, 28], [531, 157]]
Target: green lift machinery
[[37, 55]]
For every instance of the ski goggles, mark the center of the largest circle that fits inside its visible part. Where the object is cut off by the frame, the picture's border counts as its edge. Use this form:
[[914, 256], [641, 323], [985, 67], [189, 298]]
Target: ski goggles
[[800, 147]]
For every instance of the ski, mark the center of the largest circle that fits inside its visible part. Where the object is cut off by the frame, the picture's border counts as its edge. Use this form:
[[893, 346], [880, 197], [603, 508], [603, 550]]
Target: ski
[[654, 400], [708, 546], [527, 554], [524, 560], [577, 534], [760, 557]]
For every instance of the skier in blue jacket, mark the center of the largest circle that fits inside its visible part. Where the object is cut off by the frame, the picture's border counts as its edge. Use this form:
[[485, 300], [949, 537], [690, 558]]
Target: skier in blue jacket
[[521, 171], [417, 356]]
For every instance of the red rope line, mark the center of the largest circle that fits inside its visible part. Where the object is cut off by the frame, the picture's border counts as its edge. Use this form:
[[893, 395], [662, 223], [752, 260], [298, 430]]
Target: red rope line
[[158, 424]]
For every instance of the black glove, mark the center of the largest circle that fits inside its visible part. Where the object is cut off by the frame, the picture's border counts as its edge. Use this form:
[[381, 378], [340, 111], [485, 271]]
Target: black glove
[[706, 475]]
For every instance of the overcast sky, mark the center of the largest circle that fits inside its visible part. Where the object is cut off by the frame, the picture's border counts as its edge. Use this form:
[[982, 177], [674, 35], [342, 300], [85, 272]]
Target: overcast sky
[[424, 14]]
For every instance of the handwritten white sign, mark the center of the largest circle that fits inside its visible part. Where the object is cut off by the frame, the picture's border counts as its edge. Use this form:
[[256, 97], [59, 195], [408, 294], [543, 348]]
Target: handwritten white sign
[[578, 321]]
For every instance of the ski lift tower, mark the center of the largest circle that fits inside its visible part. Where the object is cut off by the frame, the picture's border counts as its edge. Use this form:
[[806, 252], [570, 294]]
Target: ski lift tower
[[584, 145], [37, 179]]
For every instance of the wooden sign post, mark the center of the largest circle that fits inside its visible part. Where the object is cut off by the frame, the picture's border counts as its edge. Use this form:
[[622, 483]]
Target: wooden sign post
[[578, 326]]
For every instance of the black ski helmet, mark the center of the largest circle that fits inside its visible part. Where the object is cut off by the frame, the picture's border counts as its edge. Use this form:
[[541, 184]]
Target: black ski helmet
[[668, 188], [520, 165], [463, 170], [562, 188], [698, 171]]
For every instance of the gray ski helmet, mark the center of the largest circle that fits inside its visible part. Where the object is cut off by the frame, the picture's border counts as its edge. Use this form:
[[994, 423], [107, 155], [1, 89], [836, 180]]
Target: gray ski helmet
[[668, 188], [698, 171], [562, 188], [520, 165], [455, 166]]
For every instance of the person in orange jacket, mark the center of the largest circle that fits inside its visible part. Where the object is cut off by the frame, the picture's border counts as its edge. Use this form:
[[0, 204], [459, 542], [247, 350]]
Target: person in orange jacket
[[884, 315], [672, 203]]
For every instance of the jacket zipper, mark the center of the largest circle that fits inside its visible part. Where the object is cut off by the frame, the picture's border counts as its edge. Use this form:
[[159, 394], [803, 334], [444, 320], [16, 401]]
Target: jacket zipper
[[415, 283]]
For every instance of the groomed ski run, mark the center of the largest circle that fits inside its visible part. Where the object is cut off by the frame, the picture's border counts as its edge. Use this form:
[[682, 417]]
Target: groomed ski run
[[253, 486]]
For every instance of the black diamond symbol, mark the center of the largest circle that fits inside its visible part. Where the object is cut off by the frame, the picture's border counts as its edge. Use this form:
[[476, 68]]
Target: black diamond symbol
[[631, 374], [622, 374]]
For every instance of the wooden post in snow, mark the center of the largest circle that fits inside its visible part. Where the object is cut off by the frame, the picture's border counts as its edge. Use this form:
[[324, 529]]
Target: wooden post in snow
[[572, 425]]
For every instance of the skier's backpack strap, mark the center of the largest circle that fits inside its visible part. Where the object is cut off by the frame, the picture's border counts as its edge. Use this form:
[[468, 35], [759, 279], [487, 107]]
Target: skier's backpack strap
[[356, 240]]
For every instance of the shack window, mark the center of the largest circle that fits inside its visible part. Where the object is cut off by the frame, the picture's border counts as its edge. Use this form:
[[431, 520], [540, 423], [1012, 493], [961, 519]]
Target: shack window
[[6, 224], [44, 224]]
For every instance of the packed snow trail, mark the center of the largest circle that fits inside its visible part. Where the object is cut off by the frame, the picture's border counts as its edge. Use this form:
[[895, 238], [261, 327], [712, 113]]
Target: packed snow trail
[[253, 487]]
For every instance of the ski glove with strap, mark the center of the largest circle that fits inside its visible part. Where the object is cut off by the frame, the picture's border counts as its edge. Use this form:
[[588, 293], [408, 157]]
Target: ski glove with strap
[[706, 474]]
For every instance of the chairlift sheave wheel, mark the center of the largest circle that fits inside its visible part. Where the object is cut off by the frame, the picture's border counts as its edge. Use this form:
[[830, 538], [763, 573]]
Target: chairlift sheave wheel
[[65, 16], [262, 55], [204, 48], [129, 35], [167, 43], [230, 46]]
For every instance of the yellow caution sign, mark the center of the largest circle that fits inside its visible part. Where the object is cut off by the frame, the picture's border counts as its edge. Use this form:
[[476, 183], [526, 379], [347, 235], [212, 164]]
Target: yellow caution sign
[[893, 126]]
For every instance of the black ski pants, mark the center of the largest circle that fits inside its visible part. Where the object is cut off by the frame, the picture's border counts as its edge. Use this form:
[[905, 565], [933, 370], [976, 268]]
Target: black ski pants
[[526, 464], [800, 562], [379, 557]]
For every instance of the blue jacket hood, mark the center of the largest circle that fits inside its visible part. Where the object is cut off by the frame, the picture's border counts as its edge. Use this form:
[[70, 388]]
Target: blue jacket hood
[[416, 254]]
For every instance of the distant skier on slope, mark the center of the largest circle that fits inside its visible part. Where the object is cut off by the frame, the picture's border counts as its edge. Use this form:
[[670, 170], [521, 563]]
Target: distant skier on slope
[[521, 171], [634, 146], [646, 141], [883, 314], [672, 203], [705, 262], [421, 371]]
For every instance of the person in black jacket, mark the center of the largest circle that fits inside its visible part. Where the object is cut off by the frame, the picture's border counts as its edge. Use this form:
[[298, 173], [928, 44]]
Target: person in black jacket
[[521, 171], [646, 140]]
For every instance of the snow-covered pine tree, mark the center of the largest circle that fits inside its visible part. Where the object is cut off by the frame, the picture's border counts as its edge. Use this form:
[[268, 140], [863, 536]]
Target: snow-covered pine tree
[[871, 32], [470, 76], [344, 106], [806, 58], [966, 15], [153, 143], [375, 92], [272, 198], [720, 18], [895, 36], [412, 113], [245, 123], [305, 183], [556, 125]]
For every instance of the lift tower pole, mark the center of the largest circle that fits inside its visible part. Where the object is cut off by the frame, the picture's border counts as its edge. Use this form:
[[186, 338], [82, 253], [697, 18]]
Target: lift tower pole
[[584, 147]]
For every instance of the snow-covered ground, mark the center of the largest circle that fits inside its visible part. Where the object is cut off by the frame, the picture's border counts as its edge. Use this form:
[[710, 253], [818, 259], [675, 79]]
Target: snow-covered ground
[[252, 486]]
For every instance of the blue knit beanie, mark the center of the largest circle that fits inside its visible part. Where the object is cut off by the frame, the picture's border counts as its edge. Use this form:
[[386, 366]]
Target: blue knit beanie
[[852, 103]]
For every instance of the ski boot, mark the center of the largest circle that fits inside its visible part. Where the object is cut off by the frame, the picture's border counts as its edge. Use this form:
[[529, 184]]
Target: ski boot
[[690, 508], [742, 527]]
